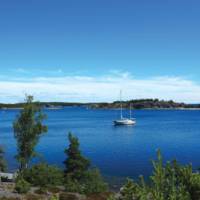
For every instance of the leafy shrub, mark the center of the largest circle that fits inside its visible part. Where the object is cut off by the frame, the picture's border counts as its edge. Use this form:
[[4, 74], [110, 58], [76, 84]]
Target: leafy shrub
[[111, 197], [22, 186], [171, 181], [129, 190], [91, 183], [54, 198], [44, 175], [94, 183], [73, 186]]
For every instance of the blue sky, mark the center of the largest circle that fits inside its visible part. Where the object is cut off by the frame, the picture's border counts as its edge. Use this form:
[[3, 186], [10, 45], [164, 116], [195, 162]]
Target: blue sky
[[105, 44]]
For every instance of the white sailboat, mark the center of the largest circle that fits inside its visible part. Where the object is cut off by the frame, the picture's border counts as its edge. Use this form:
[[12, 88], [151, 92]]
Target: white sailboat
[[122, 120]]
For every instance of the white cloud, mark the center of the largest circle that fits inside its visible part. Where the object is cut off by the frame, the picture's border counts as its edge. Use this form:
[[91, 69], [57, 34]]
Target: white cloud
[[102, 88]]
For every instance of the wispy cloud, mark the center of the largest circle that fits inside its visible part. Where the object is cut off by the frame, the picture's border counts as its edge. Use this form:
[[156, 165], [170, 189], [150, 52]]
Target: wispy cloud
[[34, 71], [101, 88], [21, 70]]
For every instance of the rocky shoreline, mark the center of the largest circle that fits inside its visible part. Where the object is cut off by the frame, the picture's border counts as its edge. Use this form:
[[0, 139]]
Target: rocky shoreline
[[7, 192]]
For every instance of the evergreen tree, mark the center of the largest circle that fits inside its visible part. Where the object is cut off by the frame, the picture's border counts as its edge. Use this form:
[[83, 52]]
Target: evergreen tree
[[28, 128], [79, 177], [76, 164]]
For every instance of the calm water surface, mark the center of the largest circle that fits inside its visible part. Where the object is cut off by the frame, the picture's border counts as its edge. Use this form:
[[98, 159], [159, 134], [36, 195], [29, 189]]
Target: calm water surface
[[117, 151]]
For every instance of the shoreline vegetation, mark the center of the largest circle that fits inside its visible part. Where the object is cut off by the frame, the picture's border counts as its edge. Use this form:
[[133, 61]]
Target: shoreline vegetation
[[137, 104], [145, 104], [79, 180]]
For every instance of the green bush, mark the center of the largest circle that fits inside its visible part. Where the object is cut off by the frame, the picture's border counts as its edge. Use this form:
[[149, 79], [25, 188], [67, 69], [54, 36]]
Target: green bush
[[44, 175], [111, 197], [73, 185], [22, 186], [94, 183], [168, 182], [129, 190], [91, 183], [191, 181], [54, 198]]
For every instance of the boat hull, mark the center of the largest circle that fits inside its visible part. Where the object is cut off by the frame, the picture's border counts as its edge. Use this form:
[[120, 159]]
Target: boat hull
[[124, 122]]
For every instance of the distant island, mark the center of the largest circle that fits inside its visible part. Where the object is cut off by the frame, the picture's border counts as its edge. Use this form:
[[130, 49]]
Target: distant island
[[47, 105], [135, 104], [145, 104]]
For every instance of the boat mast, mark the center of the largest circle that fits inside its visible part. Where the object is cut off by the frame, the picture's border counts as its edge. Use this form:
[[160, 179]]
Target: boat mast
[[121, 103], [130, 110]]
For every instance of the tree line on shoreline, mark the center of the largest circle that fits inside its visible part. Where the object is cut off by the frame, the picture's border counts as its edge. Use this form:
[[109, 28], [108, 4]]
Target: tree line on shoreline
[[135, 104], [145, 104], [169, 181]]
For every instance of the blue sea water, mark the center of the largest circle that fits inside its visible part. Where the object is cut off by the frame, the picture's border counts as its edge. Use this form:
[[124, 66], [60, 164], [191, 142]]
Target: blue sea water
[[118, 151]]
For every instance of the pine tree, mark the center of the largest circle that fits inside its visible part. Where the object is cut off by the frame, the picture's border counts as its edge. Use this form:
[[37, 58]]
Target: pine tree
[[76, 164], [79, 176]]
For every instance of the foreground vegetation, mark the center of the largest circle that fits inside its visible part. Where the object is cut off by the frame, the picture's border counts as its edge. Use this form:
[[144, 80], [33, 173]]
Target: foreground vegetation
[[78, 175], [79, 180], [168, 182]]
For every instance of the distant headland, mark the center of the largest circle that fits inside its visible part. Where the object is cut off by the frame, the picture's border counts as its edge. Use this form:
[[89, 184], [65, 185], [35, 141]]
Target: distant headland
[[145, 104], [135, 104]]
